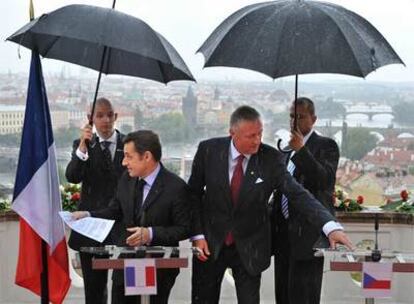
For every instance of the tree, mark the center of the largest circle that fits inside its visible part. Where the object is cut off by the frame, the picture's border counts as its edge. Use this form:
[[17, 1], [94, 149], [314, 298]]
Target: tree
[[138, 119], [172, 128], [359, 142], [404, 112]]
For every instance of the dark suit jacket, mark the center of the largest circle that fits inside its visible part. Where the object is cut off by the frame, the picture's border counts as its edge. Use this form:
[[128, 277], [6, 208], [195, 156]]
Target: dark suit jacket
[[166, 210], [214, 214], [315, 169], [98, 184]]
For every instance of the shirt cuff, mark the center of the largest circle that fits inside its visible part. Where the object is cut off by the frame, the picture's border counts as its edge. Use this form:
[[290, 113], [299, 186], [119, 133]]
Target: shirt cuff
[[81, 155], [331, 226], [151, 234], [197, 237]]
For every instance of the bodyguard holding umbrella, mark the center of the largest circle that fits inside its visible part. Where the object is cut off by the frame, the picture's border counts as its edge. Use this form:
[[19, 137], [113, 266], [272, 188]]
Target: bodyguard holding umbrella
[[97, 164]]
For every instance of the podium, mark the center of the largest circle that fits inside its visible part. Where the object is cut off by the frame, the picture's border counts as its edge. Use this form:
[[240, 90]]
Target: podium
[[113, 257], [352, 261]]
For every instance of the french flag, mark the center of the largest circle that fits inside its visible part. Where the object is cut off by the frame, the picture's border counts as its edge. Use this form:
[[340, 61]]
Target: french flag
[[36, 197], [140, 277]]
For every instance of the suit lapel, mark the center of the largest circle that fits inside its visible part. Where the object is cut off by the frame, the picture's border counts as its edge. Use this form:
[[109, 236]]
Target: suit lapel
[[223, 169], [249, 179], [131, 202], [119, 152]]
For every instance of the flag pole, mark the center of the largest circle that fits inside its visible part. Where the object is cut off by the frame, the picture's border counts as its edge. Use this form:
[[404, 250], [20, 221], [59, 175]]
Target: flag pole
[[44, 275]]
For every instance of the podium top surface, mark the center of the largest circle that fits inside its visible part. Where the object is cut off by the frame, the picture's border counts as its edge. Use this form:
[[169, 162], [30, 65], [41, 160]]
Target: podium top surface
[[113, 257]]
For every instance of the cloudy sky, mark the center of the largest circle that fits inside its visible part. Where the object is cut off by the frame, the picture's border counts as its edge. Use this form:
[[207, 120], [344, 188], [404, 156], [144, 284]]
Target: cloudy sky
[[187, 23]]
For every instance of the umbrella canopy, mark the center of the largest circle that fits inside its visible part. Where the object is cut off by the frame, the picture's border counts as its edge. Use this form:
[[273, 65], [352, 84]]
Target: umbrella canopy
[[290, 37], [80, 33]]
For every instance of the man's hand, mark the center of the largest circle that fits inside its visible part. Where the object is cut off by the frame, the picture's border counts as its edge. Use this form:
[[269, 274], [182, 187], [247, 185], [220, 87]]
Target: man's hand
[[296, 140], [86, 135], [339, 237], [139, 236], [202, 248], [77, 215]]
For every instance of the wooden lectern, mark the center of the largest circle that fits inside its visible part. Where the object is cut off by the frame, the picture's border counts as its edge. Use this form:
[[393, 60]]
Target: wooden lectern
[[113, 257]]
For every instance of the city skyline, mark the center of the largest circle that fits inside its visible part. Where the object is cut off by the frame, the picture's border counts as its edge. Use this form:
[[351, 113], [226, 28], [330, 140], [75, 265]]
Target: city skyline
[[186, 24]]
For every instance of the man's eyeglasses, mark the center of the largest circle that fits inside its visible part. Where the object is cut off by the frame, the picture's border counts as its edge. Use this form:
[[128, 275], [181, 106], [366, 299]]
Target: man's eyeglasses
[[298, 116]]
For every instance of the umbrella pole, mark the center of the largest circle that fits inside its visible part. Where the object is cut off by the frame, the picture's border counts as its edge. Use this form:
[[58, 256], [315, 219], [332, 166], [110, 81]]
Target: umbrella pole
[[295, 122], [99, 78]]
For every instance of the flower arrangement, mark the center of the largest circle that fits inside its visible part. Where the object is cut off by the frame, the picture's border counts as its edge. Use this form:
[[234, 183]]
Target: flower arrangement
[[404, 204], [5, 204], [343, 203], [70, 195]]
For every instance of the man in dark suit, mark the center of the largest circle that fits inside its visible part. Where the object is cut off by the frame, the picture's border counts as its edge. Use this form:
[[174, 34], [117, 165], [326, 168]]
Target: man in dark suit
[[313, 162], [153, 205], [97, 164], [233, 177]]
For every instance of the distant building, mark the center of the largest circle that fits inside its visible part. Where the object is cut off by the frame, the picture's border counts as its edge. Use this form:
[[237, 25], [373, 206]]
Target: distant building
[[11, 118], [189, 107]]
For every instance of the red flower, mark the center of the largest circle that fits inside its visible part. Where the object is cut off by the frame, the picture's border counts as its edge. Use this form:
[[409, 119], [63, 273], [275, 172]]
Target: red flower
[[360, 199], [404, 195], [75, 196]]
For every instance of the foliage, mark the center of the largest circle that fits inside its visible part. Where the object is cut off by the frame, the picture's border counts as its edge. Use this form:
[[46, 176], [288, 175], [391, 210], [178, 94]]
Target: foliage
[[5, 204], [70, 195], [404, 112], [359, 143], [10, 140], [404, 204], [329, 109], [64, 137], [343, 203], [138, 119], [172, 128]]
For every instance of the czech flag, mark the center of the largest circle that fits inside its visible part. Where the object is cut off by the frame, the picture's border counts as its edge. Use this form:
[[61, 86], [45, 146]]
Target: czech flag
[[376, 281], [36, 197]]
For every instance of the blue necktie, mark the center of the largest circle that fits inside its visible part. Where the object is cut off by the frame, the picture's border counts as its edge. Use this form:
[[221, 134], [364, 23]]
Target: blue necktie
[[285, 205]]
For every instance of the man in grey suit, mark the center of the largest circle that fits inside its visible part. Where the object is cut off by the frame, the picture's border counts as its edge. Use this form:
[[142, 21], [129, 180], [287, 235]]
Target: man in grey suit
[[233, 178]]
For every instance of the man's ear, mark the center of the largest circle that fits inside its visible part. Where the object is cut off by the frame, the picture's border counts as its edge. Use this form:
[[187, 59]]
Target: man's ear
[[116, 116]]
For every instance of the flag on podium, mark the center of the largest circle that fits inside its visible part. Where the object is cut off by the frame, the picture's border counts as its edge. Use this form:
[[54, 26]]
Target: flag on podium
[[36, 197], [140, 277], [376, 279]]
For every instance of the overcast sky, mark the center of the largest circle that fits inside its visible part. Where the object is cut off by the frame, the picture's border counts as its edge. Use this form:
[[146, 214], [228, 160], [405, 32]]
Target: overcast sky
[[187, 23]]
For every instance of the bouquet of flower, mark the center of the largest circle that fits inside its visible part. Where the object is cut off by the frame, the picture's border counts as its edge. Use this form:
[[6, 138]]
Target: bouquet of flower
[[405, 204], [70, 194], [4, 204], [343, 203]]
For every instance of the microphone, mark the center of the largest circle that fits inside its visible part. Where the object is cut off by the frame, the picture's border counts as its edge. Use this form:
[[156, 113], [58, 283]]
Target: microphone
[[141, 250]]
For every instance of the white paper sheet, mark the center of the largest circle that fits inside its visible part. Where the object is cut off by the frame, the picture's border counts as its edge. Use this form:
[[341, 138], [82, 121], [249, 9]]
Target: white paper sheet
[[92, 227]]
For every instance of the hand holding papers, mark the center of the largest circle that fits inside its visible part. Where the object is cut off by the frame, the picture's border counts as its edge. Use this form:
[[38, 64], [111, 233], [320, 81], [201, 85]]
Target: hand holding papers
[[92, 227]]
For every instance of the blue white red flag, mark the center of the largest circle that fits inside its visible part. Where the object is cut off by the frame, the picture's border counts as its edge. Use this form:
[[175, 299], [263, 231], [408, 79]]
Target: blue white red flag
[[36, 196], [140, 277], [376, 280]]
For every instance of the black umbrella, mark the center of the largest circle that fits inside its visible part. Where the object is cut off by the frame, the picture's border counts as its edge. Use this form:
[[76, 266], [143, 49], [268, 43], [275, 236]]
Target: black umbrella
[[105, 40], [291, 37]]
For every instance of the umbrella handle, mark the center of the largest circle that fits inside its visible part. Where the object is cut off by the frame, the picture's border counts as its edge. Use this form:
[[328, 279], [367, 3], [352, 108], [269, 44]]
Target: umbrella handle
[[279, 147]]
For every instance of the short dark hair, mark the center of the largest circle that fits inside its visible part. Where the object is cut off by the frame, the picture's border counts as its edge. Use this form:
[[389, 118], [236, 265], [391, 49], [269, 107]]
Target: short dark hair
[[145, 140], [244, 113], [307, 103]]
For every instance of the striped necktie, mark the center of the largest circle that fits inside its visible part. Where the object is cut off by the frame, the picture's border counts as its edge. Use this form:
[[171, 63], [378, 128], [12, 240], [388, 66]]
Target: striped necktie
[[284, 203]]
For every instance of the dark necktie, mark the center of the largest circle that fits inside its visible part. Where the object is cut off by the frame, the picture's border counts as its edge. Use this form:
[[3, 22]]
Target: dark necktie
[[235, 184], [140, 198], [285, 202], [107, 154]]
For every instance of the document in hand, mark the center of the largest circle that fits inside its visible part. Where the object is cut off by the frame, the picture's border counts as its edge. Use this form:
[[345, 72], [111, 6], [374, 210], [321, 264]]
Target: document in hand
[[92, 227]]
